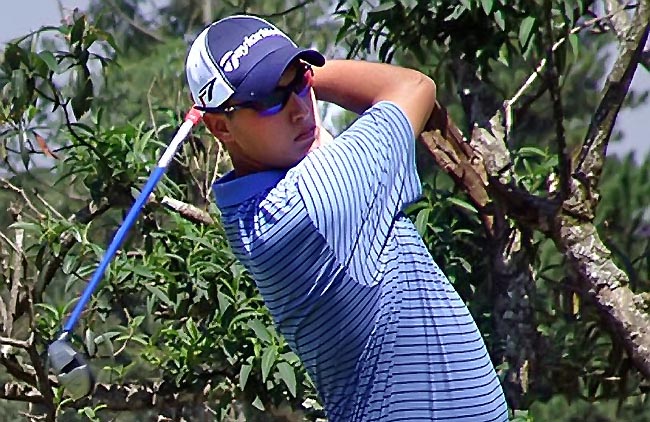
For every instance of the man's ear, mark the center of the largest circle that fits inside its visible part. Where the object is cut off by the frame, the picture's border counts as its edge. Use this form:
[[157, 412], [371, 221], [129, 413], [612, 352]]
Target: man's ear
[[219, 125]]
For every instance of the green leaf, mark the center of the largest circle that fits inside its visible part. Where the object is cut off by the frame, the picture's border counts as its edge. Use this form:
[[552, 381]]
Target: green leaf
[[77, 30], [258, 403], [421, 221], [30, 227], [575, 45], [89, 412], [531, 152], [142, 271], [192, 329], [107, 336], [288, 375], [268, 358], [159, 294], [69, 264], [83, 85], [465, 264], [525, 30], [49, 60], [503, 55], [137, 321], [260, 330], [24, 154], [458, 10], [244, 372], [498, 18], [224, 302], [90, 342], [463, 204], [487, 6], [243, 316], [459, 232]]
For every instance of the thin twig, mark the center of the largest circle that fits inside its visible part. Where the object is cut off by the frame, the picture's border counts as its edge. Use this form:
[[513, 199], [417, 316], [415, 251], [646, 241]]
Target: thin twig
[[150, 105], [215, 172], [564, 162], [82, 141], [589, 163], [48, 206], [8, 185], [21, 344], [509, 103], [9, 242], [18, 263], [287, 11]]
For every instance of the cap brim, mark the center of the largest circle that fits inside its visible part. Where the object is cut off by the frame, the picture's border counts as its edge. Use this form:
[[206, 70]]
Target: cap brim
[[262, 79]]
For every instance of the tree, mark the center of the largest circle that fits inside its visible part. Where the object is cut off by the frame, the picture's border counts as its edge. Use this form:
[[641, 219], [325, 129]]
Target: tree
[[556, 200]]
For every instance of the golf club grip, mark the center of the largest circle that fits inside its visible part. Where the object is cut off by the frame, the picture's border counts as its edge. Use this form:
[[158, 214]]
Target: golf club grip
[[157, 173]]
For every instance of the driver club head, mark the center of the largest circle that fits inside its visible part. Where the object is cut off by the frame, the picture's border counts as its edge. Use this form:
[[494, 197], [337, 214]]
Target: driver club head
[[71, 369]]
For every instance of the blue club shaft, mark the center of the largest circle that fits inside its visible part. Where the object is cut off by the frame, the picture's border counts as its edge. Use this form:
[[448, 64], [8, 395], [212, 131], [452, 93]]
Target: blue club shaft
[[115, 244], [193, 117]]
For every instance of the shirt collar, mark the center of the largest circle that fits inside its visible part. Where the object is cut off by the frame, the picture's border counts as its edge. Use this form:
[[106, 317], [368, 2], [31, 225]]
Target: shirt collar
[[230, 190]]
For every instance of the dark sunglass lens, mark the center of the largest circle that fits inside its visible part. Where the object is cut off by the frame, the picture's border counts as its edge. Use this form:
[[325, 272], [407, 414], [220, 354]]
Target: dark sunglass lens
[[276, 101], [304, 84]]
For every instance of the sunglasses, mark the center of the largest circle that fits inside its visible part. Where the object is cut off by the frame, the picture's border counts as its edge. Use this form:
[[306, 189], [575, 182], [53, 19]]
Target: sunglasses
[[275, 102]]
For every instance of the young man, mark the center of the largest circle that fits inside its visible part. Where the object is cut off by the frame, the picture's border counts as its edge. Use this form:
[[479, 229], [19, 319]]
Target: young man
[[321, 228]]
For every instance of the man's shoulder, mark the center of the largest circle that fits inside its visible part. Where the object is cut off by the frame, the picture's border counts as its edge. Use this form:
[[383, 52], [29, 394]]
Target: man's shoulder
[[382, 119], [386, 110]]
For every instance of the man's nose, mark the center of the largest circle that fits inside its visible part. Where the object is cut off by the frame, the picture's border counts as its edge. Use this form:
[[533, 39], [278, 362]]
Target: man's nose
[[299, 107]]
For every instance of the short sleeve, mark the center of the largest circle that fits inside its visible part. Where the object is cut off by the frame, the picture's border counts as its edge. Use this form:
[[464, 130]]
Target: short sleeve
[[354, 187]]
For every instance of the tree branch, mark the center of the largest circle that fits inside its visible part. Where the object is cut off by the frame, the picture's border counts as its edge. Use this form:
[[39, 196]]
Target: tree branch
[[287, 11], [447, 145], [618, 21], [533, 76], [571, 229], [115, 397], [607, 286], [645, 60], [17, 370], [18, 264], [553, 80], [6, 184], [594, 147], [187, 211], [603, 282], [20, 392], [21, 344]]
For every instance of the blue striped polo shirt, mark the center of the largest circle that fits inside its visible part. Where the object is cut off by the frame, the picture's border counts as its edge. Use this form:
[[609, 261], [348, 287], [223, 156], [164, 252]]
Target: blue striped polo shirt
[[352, 287]]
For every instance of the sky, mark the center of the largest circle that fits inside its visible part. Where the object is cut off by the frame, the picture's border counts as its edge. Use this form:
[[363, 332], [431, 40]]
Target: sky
[[18, 18]]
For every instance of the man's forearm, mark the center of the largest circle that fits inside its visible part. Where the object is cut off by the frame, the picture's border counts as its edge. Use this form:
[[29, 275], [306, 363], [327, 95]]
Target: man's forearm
[[358, 85]]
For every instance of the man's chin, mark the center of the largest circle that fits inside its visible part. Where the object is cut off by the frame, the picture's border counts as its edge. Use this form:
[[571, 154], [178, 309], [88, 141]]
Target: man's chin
[[315, 144], [323, 137]]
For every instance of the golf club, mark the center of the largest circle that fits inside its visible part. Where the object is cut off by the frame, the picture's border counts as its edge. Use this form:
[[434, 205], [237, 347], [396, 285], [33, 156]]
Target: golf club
[[69, 366]]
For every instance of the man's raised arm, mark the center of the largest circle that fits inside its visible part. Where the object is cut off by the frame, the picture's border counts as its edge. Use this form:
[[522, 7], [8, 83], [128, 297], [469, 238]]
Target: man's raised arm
[[358, 85]]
